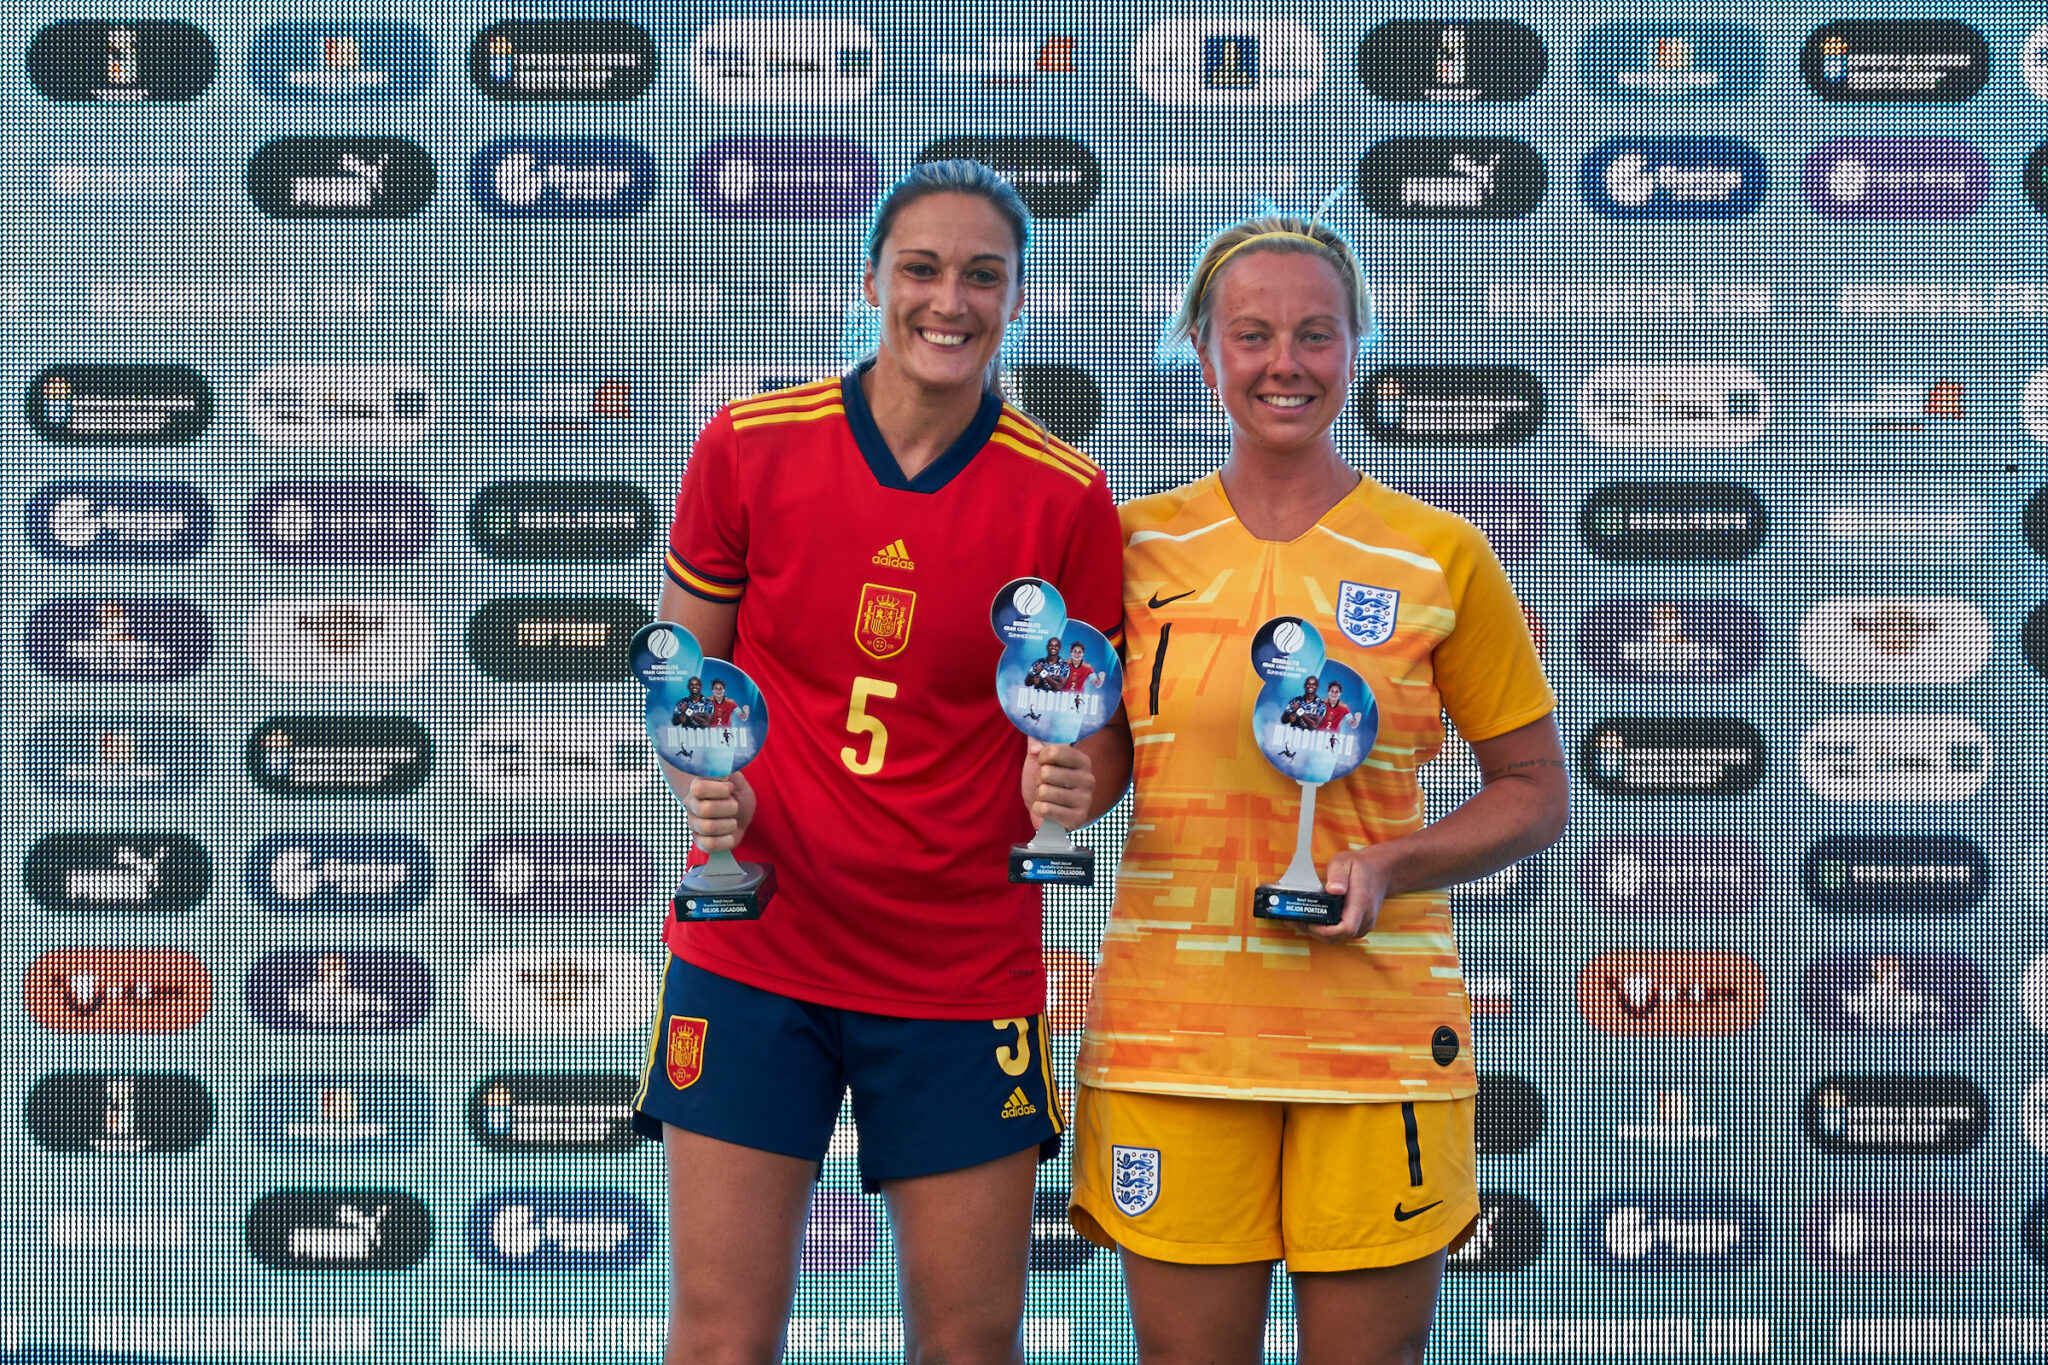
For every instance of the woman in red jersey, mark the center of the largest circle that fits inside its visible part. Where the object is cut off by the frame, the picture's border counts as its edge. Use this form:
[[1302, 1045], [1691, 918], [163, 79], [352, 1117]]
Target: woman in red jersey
[[842, 543], [1251, 1091]]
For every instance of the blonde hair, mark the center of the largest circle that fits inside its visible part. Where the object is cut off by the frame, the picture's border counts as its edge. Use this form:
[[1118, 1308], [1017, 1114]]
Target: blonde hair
[[1267, 232]]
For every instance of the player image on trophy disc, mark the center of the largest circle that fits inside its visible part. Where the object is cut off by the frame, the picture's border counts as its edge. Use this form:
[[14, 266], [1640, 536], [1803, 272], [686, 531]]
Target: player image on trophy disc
[[1315, 720], [1058, 680]]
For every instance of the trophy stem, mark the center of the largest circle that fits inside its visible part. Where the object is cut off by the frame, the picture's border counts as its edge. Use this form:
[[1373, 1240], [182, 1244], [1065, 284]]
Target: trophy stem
[[721, 869], [1052, 837], [1301, 874]]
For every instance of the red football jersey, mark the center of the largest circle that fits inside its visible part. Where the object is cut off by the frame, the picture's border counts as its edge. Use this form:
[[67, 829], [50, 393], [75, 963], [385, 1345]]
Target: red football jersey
[[1077, 676], [722, 709], [888, 783]]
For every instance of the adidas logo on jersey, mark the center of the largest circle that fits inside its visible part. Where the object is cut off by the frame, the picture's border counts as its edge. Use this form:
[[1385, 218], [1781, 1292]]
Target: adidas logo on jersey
[[1019, 1105], [894, 556]]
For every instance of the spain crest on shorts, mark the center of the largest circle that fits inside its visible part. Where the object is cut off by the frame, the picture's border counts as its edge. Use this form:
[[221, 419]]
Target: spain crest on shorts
[[1366, 614], [685, 1050], [881, 623], [1134, 1178]]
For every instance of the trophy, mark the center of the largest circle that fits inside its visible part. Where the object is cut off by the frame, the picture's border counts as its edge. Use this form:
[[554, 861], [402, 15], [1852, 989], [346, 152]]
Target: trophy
[[1058, 681], [1315, 721], [706, 718]]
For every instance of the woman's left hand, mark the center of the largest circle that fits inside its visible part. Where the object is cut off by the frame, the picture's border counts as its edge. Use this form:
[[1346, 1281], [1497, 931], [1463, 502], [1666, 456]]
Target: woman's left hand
[[1058, 783], [1361, 879]]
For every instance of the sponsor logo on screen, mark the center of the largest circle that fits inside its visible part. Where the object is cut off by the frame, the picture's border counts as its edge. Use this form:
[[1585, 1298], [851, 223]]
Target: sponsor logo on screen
[[156, 872], [1912, 640], [1416, 61], [554, 639], [1895, 874], [2034, 521], [1011, 64], [2035, 178], [135, 184], [2034, 639], [2034, 62], [117, 990], [1904, 525], [577, 874], [119, 405], [785, 178], [1229, 62], [782, 59], [1895, 60], [841, 1232], [1508, 514], [344, 755], [121, 755], [1896, 177], [1064, 399], [1514, 887], [1914, 1232], [1231, 179], [1634, 60], [346, 405], [339, 639], [1452, 405], [1935, 407], [1881, 991], [120, 639], [1676, 640], [142, 61], [327, 176], [1508, 1235], [339, 874], [1673, 177], [359, 1115], [1673, 756], [1500, 995], [535, 757], [339, 1229], [1667, 994], [1056, 177], [563, 521], [118, 1113], [340, 990], [341, 521], [581, 176], [118, 521], [1895, 1115], [353, 61], [561, 1230], [1452, 177], [96, 1229], [1673, 875], [561, 995], [549, 1112], [1672, 522], [546, 405], [1674, 407], [549, 60], [2034, 416], [1663, 1117], [1686, 1233], [1896, 757], [1509, 1114]]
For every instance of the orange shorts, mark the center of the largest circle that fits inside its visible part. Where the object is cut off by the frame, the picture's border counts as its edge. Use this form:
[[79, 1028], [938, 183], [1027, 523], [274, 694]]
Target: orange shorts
[[1202, 1181]]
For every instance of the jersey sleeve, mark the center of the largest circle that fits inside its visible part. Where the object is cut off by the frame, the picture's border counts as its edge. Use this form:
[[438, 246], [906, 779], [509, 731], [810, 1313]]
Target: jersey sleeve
[[707, 540], [1091, 573], [1487, 669]]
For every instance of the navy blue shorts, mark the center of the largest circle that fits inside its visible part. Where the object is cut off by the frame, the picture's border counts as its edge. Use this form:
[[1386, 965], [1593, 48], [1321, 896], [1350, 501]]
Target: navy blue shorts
[[762, 1070]]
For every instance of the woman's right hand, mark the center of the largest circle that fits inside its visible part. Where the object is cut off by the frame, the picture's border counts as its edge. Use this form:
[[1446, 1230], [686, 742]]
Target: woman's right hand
[[720, 810]]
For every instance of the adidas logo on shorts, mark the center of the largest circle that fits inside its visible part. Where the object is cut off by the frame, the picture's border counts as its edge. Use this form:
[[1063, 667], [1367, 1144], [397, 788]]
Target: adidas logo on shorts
[[894, 556], [1019, 1105]]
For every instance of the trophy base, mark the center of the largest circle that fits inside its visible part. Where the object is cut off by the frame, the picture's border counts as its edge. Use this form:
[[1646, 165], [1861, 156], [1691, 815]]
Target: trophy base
[[1073, 866], [1297, 907], [703, 899]]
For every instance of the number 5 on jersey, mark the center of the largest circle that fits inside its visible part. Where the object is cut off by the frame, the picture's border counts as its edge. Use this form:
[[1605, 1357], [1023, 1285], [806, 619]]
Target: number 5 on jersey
[[860, 723]]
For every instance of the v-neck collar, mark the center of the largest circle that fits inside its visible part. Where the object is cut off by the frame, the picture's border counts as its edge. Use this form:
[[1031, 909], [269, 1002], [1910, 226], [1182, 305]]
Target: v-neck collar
[[882, 463]]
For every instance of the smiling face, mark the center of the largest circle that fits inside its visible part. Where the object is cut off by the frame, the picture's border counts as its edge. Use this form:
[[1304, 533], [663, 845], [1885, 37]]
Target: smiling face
[[1279, 350], [946, 281]]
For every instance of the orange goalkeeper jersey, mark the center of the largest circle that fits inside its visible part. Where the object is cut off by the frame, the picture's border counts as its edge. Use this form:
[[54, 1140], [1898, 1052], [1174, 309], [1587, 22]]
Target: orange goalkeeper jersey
[[1193, 995]]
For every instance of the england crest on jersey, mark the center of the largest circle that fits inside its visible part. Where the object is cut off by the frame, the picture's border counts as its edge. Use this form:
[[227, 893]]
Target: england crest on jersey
[[1134, 1178], [1366, 614]]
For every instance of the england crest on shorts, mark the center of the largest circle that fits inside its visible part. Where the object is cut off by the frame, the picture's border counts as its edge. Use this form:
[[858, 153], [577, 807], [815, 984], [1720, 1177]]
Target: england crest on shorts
[[1134, 1178], [1366, 614]]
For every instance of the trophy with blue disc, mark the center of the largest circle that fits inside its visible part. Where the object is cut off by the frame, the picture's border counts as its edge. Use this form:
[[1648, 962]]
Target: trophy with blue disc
[[1315, 721], [708, 719], [1058, 681]]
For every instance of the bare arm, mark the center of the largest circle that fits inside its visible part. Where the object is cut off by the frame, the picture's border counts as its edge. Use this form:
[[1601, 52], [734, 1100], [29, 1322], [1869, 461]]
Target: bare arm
[[719, 810], [1521, 808]]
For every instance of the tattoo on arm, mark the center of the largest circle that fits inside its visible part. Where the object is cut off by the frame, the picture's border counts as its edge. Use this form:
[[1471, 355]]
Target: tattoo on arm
[[1525, 763]]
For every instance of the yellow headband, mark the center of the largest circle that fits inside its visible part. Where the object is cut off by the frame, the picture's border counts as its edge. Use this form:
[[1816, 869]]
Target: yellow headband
[[1209, 278]]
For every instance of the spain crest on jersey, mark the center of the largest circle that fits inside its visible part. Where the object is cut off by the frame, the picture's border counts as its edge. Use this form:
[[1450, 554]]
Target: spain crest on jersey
[[685, 1050], [1366, 614], [1134, 1178], [881, 623]]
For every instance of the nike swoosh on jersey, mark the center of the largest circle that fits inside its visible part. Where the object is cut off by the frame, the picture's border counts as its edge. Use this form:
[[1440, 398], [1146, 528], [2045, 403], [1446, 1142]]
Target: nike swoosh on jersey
[[1402, 1215], [1156, 601]]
